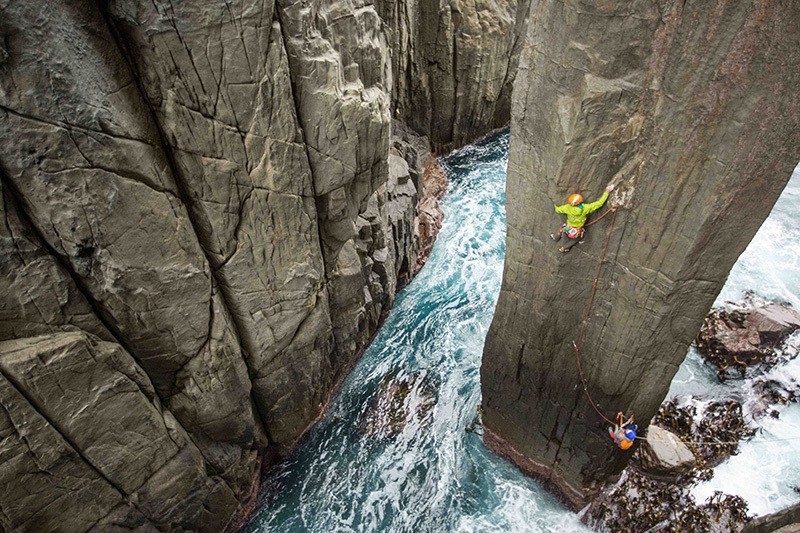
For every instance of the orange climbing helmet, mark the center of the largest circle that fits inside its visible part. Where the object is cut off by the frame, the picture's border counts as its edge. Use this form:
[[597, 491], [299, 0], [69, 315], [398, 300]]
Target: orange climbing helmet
[[575, 199]]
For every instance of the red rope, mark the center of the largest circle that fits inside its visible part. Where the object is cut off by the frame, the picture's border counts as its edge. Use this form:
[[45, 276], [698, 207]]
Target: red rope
[[589, 308], [598, 219]]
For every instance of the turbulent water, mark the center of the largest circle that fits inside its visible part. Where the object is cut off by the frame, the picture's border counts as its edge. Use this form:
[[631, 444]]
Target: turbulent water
[[430, 475], [433, 476], [767, 469]]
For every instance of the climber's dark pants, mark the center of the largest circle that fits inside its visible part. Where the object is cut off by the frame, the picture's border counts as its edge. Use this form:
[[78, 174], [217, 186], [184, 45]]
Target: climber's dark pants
[[570, 243]]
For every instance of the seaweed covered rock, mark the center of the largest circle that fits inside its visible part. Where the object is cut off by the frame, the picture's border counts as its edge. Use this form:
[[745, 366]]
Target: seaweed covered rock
[[742, 337], [638, 503], [770, 393], [713, 438], [641, 501], [400, 400], [663, 455]]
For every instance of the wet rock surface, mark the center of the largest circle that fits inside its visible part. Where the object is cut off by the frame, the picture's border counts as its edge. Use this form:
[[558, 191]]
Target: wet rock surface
[[663, 455], [658, 499], [401, 400], [674, 103], [747, 335]]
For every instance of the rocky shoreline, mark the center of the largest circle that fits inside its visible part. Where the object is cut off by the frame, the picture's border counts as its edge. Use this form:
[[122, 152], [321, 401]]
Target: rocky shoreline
[[751, 338]]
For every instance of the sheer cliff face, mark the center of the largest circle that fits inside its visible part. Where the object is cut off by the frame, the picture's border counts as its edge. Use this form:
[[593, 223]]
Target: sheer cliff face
[[454, 63], [203, 226], [693, 111]]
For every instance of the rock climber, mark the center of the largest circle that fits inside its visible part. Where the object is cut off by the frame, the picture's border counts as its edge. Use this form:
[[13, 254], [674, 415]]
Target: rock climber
[[576, 212], [623, 433]]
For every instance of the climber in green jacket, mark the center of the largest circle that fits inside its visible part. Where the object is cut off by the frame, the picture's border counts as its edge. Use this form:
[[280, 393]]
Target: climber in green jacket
[[576, 212]]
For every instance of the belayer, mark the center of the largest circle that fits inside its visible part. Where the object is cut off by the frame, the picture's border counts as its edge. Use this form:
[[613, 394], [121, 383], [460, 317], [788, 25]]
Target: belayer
[[623, 433], [576, 212]]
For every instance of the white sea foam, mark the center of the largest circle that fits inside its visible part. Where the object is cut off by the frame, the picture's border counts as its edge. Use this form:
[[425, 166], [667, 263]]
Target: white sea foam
[[767, 468], [434, 476]]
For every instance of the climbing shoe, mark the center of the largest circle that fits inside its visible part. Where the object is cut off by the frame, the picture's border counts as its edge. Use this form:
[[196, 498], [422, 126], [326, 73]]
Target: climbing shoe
[[562, 250]]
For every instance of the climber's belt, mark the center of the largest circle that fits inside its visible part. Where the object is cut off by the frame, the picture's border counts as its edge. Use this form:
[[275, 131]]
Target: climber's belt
[[572, 233]]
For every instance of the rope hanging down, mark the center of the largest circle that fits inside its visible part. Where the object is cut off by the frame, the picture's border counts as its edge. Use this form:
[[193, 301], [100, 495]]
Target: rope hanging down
[[577, 345]]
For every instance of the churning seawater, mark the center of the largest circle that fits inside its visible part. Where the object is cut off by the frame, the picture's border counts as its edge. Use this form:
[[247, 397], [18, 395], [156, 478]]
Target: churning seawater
[[766, 472], [433, 476]]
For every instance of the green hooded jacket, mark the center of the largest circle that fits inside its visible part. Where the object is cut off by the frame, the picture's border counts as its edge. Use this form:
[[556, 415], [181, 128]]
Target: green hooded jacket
[[576, 215]]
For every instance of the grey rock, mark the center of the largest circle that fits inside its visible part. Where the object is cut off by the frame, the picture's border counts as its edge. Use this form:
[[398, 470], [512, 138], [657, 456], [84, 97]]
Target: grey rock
[[454, 65], [663, 455], [97, 398], [37, 294], [774, 322], [224, 102], [124, 518], [677, 105], [97, 188], [340, 69], [44, 483], [91, 396], [205, 218], [784, 521]]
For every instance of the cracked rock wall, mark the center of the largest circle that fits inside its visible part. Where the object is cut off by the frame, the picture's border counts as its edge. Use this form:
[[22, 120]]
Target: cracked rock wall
[[205, 223], [454, 64], [692, 109]]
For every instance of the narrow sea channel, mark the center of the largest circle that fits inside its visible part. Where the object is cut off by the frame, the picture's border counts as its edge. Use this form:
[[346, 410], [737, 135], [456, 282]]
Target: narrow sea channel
[[430, 475], [433, 476]]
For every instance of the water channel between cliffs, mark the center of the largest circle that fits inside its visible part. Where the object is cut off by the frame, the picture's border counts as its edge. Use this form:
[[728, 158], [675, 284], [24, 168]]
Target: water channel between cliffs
[[428, 474]]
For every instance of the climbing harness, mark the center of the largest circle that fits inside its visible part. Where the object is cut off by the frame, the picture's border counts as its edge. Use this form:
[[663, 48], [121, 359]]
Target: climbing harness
[[572, 233], [577, 233]]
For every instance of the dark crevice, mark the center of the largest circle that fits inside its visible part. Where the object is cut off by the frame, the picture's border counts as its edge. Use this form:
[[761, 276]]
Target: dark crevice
[[6, 209], [456, 23], [11, 191], [169, 155], [70, 126], [519, 361]]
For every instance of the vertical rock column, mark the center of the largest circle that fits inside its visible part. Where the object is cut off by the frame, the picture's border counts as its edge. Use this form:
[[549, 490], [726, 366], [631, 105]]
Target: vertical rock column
[[81, 158], [453, 64], [693, 111], [340, 71], [217, 78]]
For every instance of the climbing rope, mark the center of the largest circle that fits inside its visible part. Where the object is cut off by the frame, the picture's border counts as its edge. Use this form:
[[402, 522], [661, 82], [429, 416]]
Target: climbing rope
[[577, 345], [725, 443], [598, 219]]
